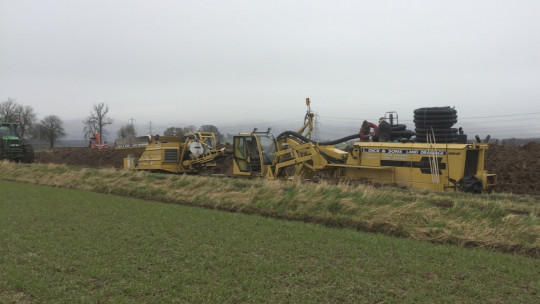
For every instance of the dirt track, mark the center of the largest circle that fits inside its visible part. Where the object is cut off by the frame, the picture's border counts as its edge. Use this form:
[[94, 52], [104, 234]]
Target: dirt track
[[517, 168]]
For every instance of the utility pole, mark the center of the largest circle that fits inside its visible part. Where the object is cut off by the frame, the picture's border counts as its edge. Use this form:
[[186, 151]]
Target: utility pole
[[150, 128]]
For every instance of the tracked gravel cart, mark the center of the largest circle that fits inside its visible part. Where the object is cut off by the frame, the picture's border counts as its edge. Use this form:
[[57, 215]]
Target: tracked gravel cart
[[192, 153], [447, 166], [13, 147]]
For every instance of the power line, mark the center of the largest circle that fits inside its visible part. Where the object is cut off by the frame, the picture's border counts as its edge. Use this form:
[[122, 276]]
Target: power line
[[477, 117], [496, 116], [326, 125]]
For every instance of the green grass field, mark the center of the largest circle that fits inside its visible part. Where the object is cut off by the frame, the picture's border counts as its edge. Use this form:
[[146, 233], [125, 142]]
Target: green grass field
[[501, 222], [72, 246]]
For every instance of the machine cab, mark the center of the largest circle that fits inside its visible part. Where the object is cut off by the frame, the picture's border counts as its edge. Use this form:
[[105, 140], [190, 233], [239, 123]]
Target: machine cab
[[9, 137], [8, 129], [253, 153]]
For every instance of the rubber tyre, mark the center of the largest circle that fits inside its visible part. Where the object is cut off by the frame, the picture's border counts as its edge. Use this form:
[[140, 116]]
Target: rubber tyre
[[404, 133], [398, 127], [28, 151], [394, 135]]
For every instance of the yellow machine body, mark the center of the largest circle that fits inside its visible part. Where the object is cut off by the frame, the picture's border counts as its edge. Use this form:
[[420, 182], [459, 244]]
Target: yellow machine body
[[440, 167], [416, 165], [191, 154]]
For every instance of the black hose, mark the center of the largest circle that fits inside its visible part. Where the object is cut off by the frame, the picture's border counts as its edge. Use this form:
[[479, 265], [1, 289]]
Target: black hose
[[398, 127], [327, 143]]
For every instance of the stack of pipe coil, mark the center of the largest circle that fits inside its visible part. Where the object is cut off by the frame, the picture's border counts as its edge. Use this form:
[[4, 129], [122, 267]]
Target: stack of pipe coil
[[400, 131], [435, 123]]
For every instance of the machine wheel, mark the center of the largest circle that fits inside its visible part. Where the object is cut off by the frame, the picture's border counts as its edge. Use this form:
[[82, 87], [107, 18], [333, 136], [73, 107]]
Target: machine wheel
[[470, 184], [28, 151]]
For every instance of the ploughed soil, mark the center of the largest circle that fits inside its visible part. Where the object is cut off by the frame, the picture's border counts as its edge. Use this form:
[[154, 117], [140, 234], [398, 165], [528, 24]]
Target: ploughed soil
[[85, 157], [517, 168]]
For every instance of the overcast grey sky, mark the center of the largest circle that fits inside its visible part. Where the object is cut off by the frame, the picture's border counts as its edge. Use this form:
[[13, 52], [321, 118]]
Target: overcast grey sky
[[244, 64]]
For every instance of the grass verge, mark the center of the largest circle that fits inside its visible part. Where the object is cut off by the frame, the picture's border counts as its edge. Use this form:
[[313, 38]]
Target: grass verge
[[502, 222]]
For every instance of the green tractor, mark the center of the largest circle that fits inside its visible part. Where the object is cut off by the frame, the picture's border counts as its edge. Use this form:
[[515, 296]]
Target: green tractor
[[12, 146]]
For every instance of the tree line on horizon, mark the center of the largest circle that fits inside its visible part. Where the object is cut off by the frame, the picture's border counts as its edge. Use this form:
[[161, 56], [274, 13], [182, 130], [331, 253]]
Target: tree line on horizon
[[51, 127]]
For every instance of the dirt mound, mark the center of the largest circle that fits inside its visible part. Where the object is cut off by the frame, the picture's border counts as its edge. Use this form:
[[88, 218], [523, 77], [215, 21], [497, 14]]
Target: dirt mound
[[224, 166], [517, 168], [86, 157]]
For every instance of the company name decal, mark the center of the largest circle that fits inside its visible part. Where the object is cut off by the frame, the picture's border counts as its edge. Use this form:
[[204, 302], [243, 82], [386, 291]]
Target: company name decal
[[397, 151]]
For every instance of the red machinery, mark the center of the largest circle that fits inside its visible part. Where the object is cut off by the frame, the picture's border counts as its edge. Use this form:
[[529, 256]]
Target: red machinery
[[95, 142]]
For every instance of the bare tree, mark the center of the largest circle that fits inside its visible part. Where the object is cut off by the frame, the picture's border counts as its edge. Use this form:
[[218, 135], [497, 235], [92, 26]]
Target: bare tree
[[190, 128], [11, 111], [127, 131], [51, 128], [213, 129], [174, 131], [27, 119], [97, 120], [8, 110]]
